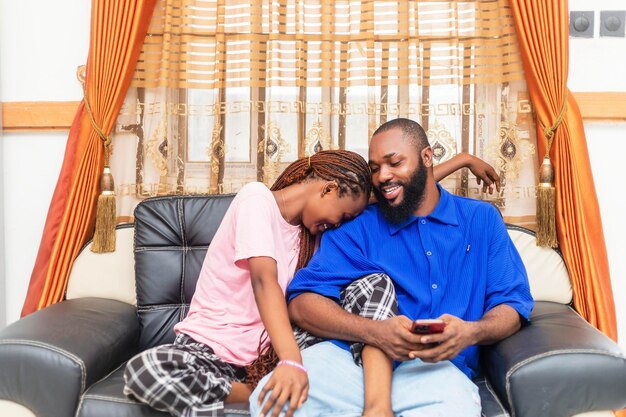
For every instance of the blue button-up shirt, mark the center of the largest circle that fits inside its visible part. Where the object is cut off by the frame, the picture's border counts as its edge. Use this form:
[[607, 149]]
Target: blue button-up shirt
[[458, 260]]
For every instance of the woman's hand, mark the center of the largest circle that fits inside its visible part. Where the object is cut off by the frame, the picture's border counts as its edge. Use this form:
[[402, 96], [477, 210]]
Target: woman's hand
[[287, 384], [484, 173]]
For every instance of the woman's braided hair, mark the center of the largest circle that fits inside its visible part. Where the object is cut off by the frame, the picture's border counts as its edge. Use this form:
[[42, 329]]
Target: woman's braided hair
[[352, 175]]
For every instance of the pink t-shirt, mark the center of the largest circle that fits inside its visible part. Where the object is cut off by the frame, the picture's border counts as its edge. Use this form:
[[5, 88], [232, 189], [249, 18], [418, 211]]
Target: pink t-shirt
[[223, 313]]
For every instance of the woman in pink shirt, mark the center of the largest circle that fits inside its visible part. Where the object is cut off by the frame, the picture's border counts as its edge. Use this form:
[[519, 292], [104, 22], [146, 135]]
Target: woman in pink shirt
[[239, 303], [240, 294]]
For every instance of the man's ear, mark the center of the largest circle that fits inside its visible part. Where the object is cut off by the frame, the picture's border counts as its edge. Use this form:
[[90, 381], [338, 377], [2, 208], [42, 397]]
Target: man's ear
[[329, 186], [427, 156]]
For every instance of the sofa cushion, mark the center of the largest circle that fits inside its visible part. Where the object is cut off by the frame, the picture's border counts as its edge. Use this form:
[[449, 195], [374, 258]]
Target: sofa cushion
[[558, 356], [547, 274], [172, 235], [491, 405], [106, 398], [105, 275]]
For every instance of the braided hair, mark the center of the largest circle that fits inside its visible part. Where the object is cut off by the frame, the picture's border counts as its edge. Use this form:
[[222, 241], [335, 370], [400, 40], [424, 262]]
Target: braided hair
[[352, 175]]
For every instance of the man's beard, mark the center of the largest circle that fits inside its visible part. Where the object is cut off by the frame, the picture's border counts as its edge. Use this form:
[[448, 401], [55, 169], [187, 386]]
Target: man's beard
[[412, 196]]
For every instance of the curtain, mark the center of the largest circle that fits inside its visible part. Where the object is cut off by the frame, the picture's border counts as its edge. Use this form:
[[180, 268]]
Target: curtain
[[228, 92], [118, 29], [543, 33]]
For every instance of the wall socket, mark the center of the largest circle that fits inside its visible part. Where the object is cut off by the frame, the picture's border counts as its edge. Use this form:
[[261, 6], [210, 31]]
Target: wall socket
[[581, 24], [612, 23]]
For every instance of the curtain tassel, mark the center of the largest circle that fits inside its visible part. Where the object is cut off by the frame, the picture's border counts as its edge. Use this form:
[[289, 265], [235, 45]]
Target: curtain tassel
[[546, 206], [104, 234], [546, 193], [106, 217]]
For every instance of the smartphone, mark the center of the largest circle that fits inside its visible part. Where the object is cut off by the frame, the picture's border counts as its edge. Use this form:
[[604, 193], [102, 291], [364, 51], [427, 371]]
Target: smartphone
[[428, 326]]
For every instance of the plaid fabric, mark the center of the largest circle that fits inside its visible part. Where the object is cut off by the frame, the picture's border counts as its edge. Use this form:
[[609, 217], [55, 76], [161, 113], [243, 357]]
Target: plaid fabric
[[372, 296], [185, 378]]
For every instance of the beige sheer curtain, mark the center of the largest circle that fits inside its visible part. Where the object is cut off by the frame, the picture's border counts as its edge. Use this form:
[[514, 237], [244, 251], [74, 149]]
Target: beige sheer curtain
[[228, 92]]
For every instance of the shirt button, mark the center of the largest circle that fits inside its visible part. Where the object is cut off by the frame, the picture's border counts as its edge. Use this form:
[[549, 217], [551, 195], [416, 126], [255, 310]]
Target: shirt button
[[423, 221], [429, 253], [434, 286]]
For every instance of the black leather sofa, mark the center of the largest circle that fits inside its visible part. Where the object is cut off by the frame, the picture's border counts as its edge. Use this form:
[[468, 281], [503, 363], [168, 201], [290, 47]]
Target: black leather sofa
[[68, 359]]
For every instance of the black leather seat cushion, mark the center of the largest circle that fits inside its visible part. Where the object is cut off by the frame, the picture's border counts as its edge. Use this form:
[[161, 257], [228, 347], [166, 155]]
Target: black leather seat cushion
[[106, 399], [491, 405]]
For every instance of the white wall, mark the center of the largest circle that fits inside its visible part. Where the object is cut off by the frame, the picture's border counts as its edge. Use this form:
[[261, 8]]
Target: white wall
[[3, 310], [38, 62], [41, 44], [607, 147], [598, 64]]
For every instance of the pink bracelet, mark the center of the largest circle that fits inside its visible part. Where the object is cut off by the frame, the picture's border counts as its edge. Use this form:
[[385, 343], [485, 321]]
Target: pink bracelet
[[292, 363]]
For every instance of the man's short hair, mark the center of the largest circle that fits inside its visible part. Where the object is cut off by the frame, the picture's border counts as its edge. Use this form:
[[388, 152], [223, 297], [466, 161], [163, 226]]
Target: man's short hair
[[411, 130]]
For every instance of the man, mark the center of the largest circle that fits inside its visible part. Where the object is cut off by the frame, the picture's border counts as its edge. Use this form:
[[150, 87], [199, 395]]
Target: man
[[448, 257]]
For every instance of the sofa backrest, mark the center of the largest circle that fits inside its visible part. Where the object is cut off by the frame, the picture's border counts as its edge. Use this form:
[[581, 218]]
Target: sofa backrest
[[106, 275], [172, 235], [547, 273]]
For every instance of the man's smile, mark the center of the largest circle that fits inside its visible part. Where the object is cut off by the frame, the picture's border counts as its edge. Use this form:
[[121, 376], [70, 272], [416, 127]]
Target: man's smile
[[390, 191]]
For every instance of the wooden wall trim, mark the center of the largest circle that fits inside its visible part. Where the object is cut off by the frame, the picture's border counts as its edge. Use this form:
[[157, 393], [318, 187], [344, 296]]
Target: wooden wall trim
[[602, 107], [29, 116], [41, 116]]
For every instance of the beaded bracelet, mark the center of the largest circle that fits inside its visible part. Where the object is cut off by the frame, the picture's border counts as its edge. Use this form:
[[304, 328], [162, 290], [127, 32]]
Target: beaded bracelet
[[292, 363]]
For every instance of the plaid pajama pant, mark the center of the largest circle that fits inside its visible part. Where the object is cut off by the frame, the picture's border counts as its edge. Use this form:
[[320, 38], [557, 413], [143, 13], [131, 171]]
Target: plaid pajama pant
[[187, 379], [372, 296]]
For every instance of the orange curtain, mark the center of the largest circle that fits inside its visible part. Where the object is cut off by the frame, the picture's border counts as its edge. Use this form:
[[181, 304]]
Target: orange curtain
[[118, 29], [542, 28]]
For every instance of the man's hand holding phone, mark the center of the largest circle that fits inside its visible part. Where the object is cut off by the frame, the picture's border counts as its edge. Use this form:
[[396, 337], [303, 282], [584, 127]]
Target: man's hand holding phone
[[394, 337], [446, 340], [428, 326]]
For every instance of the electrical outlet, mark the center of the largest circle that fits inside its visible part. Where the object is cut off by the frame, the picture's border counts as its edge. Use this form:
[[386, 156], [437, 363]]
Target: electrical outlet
[[612, 23], [581, 24]]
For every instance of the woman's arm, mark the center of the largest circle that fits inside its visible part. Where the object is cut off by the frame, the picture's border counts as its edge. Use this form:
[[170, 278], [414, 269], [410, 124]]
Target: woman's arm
[[483, 171], [288, 382], [270, 300]]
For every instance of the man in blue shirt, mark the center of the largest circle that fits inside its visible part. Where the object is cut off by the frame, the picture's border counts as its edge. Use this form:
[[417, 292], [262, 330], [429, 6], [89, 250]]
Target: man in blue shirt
[[448, 257]]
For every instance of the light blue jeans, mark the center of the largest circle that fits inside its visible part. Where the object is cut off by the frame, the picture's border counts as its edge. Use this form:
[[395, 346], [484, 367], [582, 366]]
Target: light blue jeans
[[418, 389]]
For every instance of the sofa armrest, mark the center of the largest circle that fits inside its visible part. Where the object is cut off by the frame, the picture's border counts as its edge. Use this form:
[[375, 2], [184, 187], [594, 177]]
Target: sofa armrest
[[50, 357], [559, 365]]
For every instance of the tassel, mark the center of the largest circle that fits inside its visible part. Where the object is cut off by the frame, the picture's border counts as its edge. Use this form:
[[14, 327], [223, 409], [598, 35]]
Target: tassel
[[104, 235], [106, 218], [546, 193], [546, 206]]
